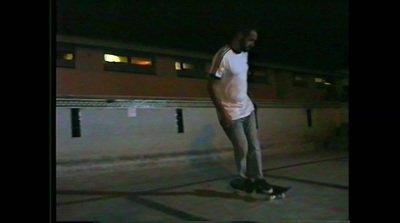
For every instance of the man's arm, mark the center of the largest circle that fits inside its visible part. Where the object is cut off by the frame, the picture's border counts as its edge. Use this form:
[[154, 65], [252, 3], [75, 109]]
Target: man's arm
[[255, 107], [211, 84]]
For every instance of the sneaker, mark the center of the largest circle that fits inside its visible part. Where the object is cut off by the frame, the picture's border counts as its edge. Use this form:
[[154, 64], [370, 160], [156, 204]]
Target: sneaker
[[242, 184], [263, 186]]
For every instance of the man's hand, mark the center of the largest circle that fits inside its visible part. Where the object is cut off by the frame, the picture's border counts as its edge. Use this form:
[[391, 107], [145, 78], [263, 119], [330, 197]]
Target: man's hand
[[226, 121]]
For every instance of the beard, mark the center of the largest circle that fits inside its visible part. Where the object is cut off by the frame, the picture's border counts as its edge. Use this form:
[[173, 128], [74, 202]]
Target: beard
[[246, 49], [243, 47]]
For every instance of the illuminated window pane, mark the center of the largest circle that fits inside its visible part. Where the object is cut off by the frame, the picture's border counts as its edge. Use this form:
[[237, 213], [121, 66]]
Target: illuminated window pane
[[68, 56], [298, 78], [65, 58], [141, 61], [327, 83], [187, 66], [115, 59], [319, 80], [65, 55], [177, 66]]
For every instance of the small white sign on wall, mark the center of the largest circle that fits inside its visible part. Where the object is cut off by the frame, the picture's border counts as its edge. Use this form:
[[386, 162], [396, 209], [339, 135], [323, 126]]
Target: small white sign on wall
[[132, 112]]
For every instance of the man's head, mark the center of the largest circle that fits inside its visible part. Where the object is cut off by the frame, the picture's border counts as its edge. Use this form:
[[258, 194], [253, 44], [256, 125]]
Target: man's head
[[246, 38]]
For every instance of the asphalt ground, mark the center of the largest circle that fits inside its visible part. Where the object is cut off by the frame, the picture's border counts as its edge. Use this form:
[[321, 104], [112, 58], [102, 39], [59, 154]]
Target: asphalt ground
[[319, 192]]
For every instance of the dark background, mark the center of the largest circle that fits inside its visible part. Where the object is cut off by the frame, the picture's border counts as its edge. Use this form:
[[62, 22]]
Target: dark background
[[303, 33]]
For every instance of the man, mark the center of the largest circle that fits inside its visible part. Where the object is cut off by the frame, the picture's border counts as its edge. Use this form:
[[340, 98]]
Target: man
[[227, 86]]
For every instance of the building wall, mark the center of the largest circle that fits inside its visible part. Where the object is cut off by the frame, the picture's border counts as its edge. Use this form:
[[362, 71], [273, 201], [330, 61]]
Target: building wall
[[89, 78], [107, 83], [110, 133]]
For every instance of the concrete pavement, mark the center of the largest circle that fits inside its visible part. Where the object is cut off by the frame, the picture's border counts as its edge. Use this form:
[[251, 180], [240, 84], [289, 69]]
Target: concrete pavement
[[198, 192]]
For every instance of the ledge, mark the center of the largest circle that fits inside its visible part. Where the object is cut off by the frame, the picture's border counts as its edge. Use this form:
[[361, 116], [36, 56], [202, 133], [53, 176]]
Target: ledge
[[145, 102]]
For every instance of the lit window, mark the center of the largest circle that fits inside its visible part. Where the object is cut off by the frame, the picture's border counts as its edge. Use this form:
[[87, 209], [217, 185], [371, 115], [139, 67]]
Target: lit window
[[65, 57], [141, 61], [68, 56], [177, 66], [323, 83], [129, 62], [115, 59], [190, 67], [186, 66]]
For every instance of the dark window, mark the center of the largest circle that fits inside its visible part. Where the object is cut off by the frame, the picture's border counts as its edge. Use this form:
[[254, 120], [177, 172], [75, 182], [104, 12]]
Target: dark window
[[309, 118], [75, 122], [258, 75], [300, 80], [179, 120]]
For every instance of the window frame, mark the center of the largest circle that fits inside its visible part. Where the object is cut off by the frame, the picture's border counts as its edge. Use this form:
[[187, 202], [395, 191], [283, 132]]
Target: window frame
[[199, 70], [129, 66], [300, 83], [263, 79], [60, 62], [323, 84]]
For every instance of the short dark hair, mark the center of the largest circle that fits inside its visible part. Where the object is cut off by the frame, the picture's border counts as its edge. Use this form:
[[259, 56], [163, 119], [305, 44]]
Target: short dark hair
[[245, 29]]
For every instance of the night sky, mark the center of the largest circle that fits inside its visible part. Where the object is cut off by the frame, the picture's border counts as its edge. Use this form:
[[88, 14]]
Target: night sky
[[304, 33]]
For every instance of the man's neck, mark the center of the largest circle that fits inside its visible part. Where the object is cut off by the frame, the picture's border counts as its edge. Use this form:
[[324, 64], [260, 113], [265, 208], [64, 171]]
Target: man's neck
[[235, 46]]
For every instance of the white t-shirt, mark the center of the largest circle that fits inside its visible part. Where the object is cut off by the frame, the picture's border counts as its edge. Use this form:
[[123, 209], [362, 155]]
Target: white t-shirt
[[231, 68]]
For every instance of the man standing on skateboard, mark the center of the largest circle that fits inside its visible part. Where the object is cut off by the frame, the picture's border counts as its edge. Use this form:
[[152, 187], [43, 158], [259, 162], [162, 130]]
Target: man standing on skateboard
[[227, 86]]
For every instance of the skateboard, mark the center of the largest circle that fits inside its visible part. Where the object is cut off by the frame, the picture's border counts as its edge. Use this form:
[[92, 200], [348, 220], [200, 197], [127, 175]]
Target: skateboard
[[278, 191]]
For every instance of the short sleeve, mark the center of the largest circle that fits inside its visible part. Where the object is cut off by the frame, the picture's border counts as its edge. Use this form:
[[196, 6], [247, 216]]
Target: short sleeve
[[218, 66], [219, 73]]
